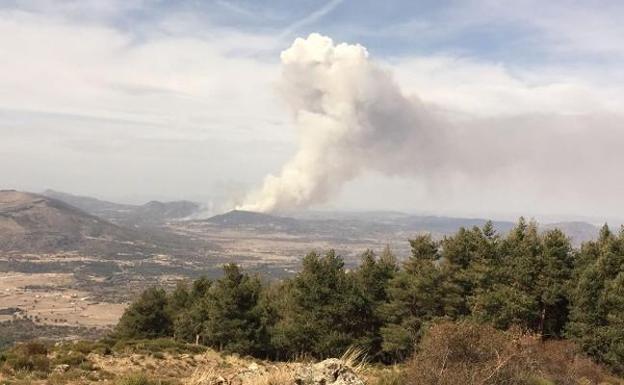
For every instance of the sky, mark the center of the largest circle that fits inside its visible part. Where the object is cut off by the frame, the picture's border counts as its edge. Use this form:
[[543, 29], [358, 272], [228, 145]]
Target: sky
[[133, 100]]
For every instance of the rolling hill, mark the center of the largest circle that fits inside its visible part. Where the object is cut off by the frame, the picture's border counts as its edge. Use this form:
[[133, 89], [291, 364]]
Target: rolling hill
[[31, 222], [149, 214]]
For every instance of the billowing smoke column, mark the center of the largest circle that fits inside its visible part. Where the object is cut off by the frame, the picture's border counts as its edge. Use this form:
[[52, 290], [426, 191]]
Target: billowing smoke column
[[351, 117]]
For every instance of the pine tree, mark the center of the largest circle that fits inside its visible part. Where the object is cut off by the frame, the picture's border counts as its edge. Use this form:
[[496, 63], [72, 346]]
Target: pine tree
[[315, 313], [416, 295], [556, 267], [188, 309], [597, 299], [233, 322], [370, 293], [527, 282], [147, 317], [463, 261]]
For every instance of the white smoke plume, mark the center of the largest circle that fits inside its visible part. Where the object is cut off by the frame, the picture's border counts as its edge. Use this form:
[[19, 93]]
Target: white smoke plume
[[352, 117]]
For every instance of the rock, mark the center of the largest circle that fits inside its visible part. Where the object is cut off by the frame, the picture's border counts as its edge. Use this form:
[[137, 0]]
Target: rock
[[244, 376], [61, 368], [329, 372]]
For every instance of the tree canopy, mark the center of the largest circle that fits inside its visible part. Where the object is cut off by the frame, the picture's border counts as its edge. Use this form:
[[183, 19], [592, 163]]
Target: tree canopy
[[527, 278]]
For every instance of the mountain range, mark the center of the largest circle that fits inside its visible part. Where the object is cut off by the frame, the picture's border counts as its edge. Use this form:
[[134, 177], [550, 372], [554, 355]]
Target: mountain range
[[371, 224], [151, 213], [35, 223], [58, 221]]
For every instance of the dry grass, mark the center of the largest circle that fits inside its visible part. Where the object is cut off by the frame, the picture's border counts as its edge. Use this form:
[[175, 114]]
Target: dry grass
[[136, 379], [205, 376], [278, 376], [460, 353], [394, 375], [355, 358]]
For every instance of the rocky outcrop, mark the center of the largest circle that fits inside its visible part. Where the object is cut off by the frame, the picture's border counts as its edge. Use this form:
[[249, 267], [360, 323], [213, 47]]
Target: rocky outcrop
[[329, 372]]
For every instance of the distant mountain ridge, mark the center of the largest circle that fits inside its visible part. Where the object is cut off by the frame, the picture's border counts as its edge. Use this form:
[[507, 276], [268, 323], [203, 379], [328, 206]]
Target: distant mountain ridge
[[345, 224], [339, 223], [44, 223], [41, 224], [32, 222], [151, 213]]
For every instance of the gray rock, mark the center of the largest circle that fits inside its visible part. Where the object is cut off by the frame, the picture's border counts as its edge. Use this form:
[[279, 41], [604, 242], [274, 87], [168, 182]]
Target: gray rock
[[62, 368], [329, 372]]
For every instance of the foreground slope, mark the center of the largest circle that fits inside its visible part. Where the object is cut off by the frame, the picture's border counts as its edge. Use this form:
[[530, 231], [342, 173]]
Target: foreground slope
[[451, 354]]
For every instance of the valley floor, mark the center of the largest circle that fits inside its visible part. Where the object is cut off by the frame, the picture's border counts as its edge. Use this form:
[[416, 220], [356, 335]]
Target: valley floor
[[50, 299]]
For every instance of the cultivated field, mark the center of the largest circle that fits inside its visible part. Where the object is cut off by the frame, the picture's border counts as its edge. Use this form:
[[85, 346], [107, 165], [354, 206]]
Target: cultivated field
[[49, 299]]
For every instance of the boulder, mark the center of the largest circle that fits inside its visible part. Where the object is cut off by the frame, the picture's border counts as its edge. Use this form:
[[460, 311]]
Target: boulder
[[62, 368], [329, 372]]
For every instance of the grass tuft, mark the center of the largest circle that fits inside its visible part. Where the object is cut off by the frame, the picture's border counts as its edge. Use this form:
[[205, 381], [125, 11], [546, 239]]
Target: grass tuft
[[355, 358]]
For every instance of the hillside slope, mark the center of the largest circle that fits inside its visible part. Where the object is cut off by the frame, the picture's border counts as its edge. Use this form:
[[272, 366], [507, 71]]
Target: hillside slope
[[35, 223]]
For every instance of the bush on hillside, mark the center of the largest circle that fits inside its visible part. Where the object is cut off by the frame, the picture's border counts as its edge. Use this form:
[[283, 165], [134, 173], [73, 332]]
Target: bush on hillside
[[453, 353], [29, 357]]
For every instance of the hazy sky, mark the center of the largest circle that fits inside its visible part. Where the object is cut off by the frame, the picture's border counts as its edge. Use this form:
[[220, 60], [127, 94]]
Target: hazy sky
[[137, 100]]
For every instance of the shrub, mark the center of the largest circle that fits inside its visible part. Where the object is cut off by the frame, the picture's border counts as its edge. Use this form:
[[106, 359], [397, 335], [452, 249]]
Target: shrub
[[85, 347], [147, 317], [70, 358], [86, 366], [71, 376], [28, 357], [34, 363], [563, 363], [469, 353], [33, 348]]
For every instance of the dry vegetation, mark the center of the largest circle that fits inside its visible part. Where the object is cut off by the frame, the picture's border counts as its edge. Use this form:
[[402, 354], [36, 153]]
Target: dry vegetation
[[450, 353], [137, 362], [473, 354]]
